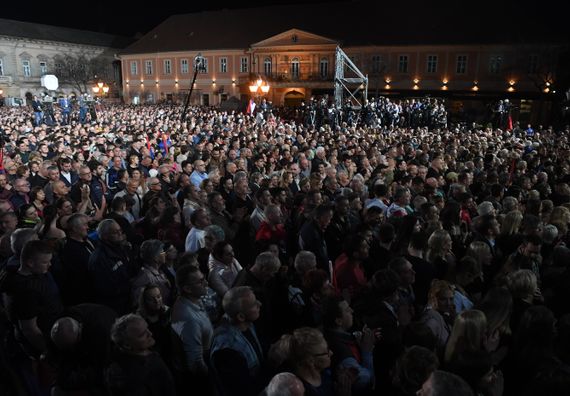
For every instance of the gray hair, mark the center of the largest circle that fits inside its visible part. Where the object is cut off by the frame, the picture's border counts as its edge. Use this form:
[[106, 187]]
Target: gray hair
[[120, 329], [233, 300], [74, 219], [485, 208], [285, 384], [104, 226], [20, 237], [151, 248], [215, 231], [549, 233], [305, 261], [267, 261]]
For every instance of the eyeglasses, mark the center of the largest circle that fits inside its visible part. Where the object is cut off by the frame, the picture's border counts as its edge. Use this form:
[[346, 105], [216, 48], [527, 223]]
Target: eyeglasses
[[327, 353]]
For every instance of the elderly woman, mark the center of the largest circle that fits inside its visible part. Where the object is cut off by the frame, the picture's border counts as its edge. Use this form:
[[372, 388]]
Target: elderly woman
[[153, 257]]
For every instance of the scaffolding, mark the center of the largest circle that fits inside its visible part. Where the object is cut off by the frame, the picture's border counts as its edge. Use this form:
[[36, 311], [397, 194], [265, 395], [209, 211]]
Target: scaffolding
[[352, 84]]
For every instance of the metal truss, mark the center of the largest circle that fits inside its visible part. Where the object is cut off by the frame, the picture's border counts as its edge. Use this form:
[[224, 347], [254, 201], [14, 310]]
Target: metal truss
[[343, 83]]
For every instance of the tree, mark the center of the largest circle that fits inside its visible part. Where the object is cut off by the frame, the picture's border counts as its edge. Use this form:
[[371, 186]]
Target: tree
[[81, 71]]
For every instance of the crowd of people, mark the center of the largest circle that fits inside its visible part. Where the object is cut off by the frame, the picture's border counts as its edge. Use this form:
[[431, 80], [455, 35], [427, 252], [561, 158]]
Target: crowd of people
[[145, 255]]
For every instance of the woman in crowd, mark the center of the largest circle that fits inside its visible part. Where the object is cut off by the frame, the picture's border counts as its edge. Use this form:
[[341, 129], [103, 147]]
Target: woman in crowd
[[223, 268], [440, 312], [38, 199], [151, 308]]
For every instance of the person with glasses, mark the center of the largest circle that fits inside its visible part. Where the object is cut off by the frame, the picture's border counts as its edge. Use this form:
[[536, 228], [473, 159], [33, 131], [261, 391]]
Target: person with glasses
[[153, 257], [21, 193], [310, 357], [199, 174]]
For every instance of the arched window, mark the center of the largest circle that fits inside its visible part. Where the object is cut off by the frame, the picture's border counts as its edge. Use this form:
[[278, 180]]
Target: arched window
[[324, 68], [295, 68], [267, 66]]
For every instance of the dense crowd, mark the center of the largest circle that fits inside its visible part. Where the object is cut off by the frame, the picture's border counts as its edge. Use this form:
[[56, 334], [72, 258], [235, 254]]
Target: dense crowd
[[234, 254]]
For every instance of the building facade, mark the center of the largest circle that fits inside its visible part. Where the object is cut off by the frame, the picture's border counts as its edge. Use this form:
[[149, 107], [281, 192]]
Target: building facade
[[29, 51], [298, 64]]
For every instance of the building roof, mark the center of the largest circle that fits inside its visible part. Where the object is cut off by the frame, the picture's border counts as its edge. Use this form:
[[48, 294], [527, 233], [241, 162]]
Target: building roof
[[360, 22], [60, 34]]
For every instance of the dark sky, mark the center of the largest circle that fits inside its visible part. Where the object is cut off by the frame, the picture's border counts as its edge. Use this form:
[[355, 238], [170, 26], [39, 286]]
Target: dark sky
[[117, 16]]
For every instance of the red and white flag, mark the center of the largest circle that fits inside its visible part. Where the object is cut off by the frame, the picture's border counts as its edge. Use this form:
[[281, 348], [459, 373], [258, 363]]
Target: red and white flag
[[250, 107]]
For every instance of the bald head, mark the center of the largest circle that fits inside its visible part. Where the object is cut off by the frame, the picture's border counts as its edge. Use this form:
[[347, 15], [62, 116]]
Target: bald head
[[66, 332]]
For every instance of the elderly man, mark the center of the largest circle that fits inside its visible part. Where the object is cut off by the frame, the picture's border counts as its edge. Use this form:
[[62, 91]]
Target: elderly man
[[110, 268], [137, 369], [236, 353], [199, 174]]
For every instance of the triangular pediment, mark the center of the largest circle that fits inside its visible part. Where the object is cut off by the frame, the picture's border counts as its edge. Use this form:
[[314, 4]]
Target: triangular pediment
[[294, 37]]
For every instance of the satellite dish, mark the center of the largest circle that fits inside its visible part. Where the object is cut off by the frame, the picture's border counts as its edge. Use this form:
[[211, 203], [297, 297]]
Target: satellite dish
[[50, 82]]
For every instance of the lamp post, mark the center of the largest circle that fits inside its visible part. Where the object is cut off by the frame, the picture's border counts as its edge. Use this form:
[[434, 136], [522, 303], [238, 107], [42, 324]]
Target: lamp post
[[258, 88], [100, 88]]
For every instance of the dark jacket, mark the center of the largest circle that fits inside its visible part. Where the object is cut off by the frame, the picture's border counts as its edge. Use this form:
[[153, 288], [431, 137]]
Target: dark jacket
[[110, 270]]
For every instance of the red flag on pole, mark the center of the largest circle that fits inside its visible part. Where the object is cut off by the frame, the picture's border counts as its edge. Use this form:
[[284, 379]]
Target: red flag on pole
[[510, 123]]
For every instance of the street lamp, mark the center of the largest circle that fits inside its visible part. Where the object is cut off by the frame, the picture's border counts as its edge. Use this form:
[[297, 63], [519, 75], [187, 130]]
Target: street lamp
[[101, 88], [259, 86]]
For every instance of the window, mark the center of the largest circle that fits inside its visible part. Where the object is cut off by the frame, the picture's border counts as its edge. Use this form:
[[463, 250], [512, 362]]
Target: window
[[184, 66], [27, 68], [1, 68], [223, 65], [134, 68], [533, 63], [324, 68], [461, 66], [204, 68], [495, 63], [148, 67], [432, 63], [243, 65], [267, 66], [167, 66], [43, 68], [403, 64], [376, 63], [295, 68]]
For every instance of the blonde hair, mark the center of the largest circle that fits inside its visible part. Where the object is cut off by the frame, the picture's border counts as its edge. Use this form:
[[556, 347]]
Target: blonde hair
[[436, 244], [302, 344], [522, 283], [511, 222], [467, 335]]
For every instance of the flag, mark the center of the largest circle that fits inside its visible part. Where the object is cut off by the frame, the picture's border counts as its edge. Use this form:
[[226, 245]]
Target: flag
[[250, 107], [510, 123]]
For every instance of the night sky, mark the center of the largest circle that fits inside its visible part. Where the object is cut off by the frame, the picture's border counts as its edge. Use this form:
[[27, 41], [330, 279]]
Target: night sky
[[120, 17], [128, 19]]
